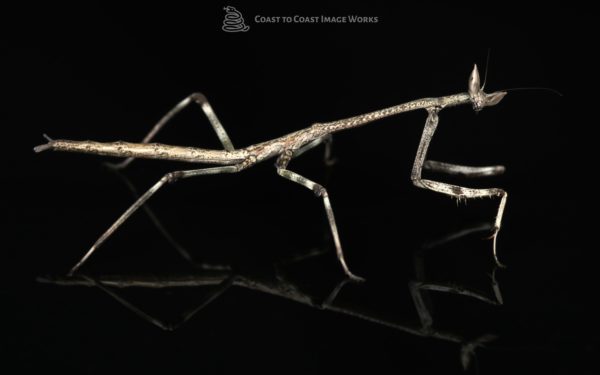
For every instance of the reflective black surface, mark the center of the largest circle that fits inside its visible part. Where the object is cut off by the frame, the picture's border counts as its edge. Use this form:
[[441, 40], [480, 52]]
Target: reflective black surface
[[107, 73]]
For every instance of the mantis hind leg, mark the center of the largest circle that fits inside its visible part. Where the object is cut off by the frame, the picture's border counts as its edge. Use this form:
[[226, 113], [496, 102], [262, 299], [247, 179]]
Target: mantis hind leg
[[167, 178]]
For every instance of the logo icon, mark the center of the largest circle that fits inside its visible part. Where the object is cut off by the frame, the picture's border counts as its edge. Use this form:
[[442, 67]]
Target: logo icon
[[234, 22]]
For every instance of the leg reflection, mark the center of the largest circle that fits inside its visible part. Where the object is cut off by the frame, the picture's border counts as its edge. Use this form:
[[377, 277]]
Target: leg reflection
[[420, 288], [278, 284]]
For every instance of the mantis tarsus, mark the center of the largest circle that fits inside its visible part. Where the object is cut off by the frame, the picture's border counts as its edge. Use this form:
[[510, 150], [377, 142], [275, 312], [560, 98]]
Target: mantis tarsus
[[285, 148]]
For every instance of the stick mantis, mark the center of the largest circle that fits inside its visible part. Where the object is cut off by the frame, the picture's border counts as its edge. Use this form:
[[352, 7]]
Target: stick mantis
[[287, 147]]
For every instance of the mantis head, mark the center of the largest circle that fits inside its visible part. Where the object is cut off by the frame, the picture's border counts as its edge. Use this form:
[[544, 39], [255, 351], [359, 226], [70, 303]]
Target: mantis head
[[479, 98]]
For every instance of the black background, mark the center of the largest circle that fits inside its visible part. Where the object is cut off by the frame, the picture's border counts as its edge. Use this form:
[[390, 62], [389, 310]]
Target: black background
[[108, 72]]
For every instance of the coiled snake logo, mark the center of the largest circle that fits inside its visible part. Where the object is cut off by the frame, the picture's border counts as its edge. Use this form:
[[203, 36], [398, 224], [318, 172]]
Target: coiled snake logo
[[234, 22]]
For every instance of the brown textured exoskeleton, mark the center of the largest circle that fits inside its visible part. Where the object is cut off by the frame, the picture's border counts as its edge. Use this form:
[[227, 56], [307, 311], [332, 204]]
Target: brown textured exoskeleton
[[287, 147]]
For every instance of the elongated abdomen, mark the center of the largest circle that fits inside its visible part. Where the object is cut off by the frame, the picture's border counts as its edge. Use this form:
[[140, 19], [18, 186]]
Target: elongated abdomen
[[146, 151]]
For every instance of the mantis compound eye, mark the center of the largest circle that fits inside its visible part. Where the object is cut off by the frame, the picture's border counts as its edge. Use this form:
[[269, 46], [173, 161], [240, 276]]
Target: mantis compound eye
[[475, 91], [474, 82], [478, 97]]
